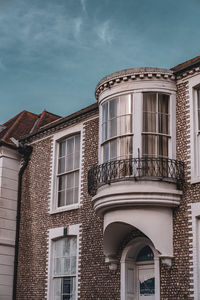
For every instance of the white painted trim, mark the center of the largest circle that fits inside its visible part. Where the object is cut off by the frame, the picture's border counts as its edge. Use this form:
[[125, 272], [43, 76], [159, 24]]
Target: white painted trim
[[135, 245], [194, 215], [78, 128], [53, 234], [192, 83]]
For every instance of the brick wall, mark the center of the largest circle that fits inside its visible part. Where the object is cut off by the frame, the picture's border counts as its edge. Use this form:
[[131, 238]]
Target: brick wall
[[96, 280]]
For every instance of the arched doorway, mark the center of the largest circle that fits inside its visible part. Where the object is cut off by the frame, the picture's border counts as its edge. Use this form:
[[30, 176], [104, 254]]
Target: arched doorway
[[140, 278]]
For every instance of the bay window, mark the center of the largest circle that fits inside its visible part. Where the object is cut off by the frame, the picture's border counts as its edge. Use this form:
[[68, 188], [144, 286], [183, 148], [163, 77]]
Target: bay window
[[117, 128], [68, 171]]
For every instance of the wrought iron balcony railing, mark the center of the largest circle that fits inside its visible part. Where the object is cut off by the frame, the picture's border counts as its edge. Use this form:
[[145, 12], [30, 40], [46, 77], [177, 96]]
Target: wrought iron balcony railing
[[146, 168]]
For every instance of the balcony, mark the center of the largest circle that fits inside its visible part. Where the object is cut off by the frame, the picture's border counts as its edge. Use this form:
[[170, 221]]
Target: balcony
[[147, 168]]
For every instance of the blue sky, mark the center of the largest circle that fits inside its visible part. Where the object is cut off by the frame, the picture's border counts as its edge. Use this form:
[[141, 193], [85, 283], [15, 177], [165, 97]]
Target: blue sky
[[54, 52]]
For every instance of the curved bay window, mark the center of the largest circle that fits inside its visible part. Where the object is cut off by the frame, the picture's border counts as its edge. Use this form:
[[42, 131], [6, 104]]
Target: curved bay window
[[117, 128]]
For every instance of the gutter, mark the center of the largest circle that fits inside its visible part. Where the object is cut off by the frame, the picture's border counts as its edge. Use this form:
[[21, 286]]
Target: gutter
[[25, 151]]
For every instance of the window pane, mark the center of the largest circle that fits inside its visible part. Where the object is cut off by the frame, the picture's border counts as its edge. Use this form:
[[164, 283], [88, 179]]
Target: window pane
[[66, 247], [163, 101], [112, 128], [76, 179], [75, 195], [57, 288], [125, 105], [149, 122], [113, 108], [61, 165], [67, 270], [104, 132], [105, 112], [76, 160], [105, 152], [125, 147], [69, 162], [73, 265], [163, 146], [149, 145], [61, 183], [113, 149], [70, 180], [149, 102], [163, 123], [77, 143], [73, 246], [57, 266], [61, 198], [62, 149], [70, 145], [69, 196], [125, 124]]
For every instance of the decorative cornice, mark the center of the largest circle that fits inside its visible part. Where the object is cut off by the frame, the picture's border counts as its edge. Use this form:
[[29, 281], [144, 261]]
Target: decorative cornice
[[187, 73], [132, 74]]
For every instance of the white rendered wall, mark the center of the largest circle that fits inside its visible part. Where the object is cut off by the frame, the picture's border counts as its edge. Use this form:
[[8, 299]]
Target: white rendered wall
[[9, 169]]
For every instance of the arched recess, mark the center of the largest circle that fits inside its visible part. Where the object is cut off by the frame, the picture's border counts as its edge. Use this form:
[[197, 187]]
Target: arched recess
[[129, 269], [154, 223]]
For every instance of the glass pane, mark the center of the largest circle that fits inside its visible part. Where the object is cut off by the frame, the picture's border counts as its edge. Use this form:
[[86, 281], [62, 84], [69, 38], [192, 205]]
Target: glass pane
[[73, 265], [145, 254], [199, 119], [149, 122], [69, 162], [66, 285], [113, 149], [67, 270], [112, 128], [69, 196], [113, 108], [58, 248], [70, 145], [57, 287], [125, 124], [76, 160], [77, 143], [62, 149], [105, 112], [77, 178], [57, 266], [163, 146], [105, 152], [61, 198], [73, 246], [198, 104], [61, 183], [104, 132], [70, 180], [149, 145], [125, 105], [125, 147], [61, 165], [163, 101], [75, 195], [149, 102], [163, 123], [66, 247]]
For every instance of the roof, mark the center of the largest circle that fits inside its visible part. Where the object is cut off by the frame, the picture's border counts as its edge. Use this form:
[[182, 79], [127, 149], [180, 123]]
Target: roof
[[62, 122], [23, 124], [186, 65]]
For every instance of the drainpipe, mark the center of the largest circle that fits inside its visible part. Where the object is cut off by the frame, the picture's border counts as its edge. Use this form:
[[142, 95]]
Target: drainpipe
[[25, 151]]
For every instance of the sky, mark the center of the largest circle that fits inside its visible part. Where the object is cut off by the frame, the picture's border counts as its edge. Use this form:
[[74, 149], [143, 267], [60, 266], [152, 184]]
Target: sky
[[54, 52]]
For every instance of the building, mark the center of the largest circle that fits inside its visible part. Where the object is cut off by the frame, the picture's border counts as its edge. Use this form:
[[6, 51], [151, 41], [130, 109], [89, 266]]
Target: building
[[12, 163], [110, 197]]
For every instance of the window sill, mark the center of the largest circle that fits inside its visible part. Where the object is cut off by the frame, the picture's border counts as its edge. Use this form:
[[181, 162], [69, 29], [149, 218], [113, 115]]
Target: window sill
[[65, 208]]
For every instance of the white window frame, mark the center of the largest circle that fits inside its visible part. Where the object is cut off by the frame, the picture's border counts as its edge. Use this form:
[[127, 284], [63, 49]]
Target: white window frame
[[55, 234], [118, 136], [57, 138], [194, 83]]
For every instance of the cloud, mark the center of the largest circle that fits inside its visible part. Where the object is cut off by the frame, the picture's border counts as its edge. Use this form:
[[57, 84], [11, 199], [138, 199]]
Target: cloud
[[105, 32], [83, 5]]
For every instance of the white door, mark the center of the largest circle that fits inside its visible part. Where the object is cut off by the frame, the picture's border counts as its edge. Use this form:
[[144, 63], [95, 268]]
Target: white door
[[146, 282]]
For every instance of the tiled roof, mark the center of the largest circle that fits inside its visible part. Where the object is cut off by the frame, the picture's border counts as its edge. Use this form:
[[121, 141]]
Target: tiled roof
[[23, 124], [187, 64]]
